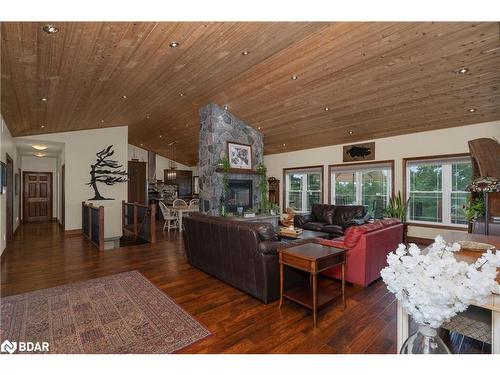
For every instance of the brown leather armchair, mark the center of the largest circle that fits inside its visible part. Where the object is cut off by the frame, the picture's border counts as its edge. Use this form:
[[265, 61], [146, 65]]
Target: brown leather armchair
[[241, 254]]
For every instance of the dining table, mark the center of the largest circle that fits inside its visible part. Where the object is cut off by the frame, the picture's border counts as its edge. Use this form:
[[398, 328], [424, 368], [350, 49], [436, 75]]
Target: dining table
[[492, 303], [184, 210]]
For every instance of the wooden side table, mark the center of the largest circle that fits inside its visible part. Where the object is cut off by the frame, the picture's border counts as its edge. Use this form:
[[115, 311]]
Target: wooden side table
[[312, 258]]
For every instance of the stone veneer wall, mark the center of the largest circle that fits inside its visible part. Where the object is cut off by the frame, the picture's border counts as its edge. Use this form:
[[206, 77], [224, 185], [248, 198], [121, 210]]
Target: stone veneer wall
[[217, 127]]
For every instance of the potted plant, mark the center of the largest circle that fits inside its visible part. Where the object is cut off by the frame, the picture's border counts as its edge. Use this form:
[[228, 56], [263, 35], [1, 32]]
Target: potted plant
[[475, 208], [223, 163], [263, 188], [274, 209], [398, 208], [249, 213]]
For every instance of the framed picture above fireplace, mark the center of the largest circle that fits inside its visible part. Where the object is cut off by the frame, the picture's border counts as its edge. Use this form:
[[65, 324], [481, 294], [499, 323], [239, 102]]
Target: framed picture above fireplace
[[239, 155]]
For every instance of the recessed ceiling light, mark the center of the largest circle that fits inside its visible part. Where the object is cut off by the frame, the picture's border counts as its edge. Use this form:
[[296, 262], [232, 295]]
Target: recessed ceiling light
[[142, 144], [44, 99], [102, 121], [327, 109], [147, 116], [294, 77], [124, 96], [258, 128], [471, 110], [174, 44], [244, 53], [181, 94], [226, 107], [350, 132], [463, 70], [50, 29], [42, 126], [39, 154], [161, 136], [284, 144], [39, 147]]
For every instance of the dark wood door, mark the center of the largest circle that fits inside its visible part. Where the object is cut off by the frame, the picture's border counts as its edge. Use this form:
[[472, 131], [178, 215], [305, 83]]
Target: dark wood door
[[137, 182], [10, 199], [37, 196]]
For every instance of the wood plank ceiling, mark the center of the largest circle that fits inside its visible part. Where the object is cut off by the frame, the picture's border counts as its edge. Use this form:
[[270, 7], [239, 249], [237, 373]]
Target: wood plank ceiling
[[356, 81]]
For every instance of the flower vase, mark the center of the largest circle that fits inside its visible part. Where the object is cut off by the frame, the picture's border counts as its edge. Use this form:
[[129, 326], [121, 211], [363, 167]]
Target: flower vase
[[424, 341]]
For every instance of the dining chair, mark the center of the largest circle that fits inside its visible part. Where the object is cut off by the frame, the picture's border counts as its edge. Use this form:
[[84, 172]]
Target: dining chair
[[179, 203], [194, 202], [170, 217]]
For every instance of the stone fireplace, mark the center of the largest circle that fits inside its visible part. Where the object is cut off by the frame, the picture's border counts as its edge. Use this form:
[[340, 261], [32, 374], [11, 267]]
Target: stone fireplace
[[217, 127]]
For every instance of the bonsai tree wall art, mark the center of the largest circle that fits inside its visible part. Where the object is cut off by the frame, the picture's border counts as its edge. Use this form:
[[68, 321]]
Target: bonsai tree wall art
[[105, 171]]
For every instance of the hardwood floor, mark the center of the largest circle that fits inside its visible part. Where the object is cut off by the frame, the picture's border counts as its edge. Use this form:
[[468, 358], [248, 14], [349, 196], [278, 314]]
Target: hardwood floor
[[41, 257]]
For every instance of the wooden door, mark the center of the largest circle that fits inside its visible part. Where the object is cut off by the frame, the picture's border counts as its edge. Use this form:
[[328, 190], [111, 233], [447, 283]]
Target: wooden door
[[10, 199], [137, 182], [184, 181], [37, 196]]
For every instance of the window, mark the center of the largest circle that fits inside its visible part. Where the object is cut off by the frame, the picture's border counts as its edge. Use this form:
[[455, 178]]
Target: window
[[436, 189], [303, 188], [366, 184]]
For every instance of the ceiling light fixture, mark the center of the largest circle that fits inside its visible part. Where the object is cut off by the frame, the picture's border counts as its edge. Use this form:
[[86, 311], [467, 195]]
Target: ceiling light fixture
[[44, 99], [42, 126], [463, 70], [327, 109], [226, 107], [102, 121], [350, 132], [181, 94], [39, 154], [39, 147], [142, 144], [244, 53], [258, 128], [295, 77], [284, 144], [161, 136], [471, 110], [50, 29], [147, 116], [174, 44]]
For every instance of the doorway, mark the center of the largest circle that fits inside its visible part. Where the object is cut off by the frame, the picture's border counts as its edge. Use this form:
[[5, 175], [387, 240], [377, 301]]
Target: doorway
[[10, 199], [37, 193]]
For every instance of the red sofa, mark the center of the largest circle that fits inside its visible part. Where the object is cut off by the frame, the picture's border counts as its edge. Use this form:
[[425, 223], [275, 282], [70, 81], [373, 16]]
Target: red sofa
[[367, 248]]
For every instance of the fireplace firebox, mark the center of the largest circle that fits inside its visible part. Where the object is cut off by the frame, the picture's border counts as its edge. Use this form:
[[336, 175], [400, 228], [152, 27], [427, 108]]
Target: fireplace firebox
[[240, 195]]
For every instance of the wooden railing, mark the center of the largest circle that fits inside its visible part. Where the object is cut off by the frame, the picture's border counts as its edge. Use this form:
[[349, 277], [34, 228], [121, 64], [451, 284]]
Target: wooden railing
[[139, 221], [93, 224]]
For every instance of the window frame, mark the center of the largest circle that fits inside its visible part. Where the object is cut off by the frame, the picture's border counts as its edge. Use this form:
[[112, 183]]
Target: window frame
[[357, 167], [445, 189], [310, 169]]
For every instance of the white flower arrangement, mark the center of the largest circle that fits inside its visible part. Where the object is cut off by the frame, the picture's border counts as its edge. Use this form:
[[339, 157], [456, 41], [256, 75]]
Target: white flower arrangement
[[434, 287]]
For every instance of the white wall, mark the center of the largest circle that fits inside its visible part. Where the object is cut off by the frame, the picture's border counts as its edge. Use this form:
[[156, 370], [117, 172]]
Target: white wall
[[7, 147], [135, 152], [436, 142], [79, 153], [45, 164]]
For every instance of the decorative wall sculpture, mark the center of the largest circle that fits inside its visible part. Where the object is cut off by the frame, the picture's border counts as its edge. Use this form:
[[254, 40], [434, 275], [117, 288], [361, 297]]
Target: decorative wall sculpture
[[105, 171], [359, 152]]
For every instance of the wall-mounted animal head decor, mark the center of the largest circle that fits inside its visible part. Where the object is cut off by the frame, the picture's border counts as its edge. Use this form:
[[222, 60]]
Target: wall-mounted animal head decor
[[105, 171], [359, 152]]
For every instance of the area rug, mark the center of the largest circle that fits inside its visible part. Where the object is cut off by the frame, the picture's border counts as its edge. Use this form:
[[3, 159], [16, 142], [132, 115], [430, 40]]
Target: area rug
[[122, 313]]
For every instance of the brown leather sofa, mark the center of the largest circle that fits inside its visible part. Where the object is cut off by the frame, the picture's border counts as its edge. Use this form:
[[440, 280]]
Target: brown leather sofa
[[241, 254], [332, 219]]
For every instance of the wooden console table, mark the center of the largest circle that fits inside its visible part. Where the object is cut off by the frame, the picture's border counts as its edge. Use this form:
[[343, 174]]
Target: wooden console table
[[312, 258], [492, 303]]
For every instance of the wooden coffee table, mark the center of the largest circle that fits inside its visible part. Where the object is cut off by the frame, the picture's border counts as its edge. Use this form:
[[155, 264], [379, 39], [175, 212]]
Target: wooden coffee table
[[306, 234], [312, 258]]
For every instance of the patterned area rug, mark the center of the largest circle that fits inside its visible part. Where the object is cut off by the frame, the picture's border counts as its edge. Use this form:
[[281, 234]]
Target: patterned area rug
[[122, 313]]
